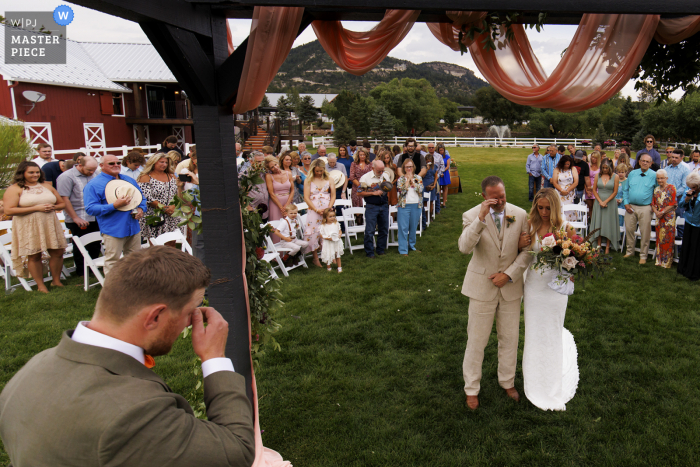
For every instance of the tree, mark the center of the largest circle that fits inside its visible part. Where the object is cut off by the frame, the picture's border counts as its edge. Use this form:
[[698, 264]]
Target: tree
[[628, 121], [382, 124], [293, 98], [671, 67], [600, 136], [343, 132], [413, 103], [265, 102], [14, 148], [283, 108], [361, 114], [638, 141], [342, 103], [687, 117], [306, 112], [497, 109], [329, 109], [659, 120], [452, 113]]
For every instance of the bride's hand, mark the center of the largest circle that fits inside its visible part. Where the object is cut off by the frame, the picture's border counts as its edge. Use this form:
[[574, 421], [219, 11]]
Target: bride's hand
[[523, 241]]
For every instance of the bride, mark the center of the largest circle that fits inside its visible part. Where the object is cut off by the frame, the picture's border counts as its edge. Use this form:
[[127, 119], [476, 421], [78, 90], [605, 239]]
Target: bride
[[550, 371]]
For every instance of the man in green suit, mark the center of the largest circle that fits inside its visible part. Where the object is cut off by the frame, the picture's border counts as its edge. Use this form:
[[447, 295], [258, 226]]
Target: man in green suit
[[93, 401]]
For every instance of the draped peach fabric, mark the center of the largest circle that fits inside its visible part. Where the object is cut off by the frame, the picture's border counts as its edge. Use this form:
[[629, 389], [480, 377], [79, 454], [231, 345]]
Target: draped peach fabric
[[674, 30], [272, 35], [229, 39], [601, 58], [359, 52]]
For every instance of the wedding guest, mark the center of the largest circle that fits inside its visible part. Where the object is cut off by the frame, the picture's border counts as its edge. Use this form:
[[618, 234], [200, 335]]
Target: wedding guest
[[333, 164], [280, 186], [616, 157], [332, 248], [605, 217], [44, 154], [386, 157], [412, 153], [565, 182], [113, 409], [318, 195], [131, 164], [287, 232], [170, 144], [321, 152], [533, 167], [549, 163], [439, 170], [625, 160], [302, 151], [376, 209], [368, 149], [174, 157], [352, 148], [584, 174], [159, 187], [665, 162], [630, 161], [429, 185], [663, 205], [621, 171], [677, 172], [410, 205], [258, 193], [191, 185], [287, 165], [186, 160], [593, 169], [638, 192], [689, 261], [345, 159], [444, 181], [358, 168], [650, 142], [37, 235], [53, 170], [694, 163]]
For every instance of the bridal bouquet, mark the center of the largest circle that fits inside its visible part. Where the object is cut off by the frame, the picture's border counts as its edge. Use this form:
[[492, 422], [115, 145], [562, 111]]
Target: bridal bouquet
[[570, 255]]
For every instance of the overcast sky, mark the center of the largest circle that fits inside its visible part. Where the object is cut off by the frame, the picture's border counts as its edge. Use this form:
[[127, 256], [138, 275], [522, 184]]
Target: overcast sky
[[419, 46]]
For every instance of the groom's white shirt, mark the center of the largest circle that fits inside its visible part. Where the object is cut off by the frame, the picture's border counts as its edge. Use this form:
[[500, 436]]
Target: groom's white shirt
[[493, 253]]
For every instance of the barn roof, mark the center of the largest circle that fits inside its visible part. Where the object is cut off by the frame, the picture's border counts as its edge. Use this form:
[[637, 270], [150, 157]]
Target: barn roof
[[129, 62], [79, 71]]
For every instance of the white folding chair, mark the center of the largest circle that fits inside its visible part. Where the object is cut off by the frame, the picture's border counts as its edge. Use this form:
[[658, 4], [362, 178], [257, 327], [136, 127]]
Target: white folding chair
[[7, 272], [6, 225], [301, 206], [271, 254], [426, 208], [623, 231], [343, 203], [93, 264], [580, 211], [281, 249], [680, 221], [393, 238], [176, 236], [352, 228]]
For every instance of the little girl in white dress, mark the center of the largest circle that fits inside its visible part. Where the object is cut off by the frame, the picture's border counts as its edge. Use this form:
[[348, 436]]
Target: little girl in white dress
[[332, 244]]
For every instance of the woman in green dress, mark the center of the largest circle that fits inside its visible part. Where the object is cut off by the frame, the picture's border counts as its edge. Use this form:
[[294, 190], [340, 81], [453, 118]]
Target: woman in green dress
[[605, 188]]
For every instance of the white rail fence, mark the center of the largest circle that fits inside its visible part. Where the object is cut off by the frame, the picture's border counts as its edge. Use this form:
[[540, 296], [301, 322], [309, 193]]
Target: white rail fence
[[484, 142], [120, 151]]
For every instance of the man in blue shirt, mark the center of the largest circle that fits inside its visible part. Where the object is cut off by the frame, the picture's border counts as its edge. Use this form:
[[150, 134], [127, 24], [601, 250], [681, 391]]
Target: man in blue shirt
[[677, 172], [549, 163], [121, 232], [637, 193], [650, 141], [533, 167]]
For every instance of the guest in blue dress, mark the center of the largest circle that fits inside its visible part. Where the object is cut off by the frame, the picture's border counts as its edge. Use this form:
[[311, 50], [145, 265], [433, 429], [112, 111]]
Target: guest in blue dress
[[429, 185], [445, 177]]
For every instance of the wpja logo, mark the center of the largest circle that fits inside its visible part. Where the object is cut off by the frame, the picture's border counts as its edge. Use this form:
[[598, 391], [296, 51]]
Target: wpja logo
[[36, 37]]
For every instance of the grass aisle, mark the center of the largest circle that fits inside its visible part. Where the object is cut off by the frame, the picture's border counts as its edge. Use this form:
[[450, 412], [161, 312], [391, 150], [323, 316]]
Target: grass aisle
[[370, 368]]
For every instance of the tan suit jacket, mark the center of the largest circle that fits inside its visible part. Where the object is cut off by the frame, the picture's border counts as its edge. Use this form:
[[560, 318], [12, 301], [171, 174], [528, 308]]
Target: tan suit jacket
[[493, 254], [81, 405]]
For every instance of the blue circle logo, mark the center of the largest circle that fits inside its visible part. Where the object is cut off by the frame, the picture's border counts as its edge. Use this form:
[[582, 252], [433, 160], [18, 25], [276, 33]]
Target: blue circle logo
[[63, 15]]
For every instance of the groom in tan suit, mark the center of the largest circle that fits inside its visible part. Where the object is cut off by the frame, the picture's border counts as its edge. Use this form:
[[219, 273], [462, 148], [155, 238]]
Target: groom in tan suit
[[494, 285]]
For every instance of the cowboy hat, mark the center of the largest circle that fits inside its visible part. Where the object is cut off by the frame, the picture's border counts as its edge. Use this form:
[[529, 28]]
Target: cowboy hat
[[338, 177], [118, 189], [389, 174], [324, 159]]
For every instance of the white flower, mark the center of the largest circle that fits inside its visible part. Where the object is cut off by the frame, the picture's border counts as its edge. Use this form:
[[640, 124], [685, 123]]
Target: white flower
[[565, 252], [570, 263], [549, 241]]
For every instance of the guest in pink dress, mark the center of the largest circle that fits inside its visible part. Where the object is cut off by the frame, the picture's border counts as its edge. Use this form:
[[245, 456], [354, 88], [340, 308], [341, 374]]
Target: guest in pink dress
[[279, 187], [595, 160], [357, 169], [318, 196]]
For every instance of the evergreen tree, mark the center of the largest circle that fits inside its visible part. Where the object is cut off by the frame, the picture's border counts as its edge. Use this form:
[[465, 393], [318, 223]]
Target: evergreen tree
[[306, 112], [343, 133], [329, 109], [265, 102], [360, 115], [628, 121], [600, 136], [382, 124], [283, 108], [638, 140], [293, 98]]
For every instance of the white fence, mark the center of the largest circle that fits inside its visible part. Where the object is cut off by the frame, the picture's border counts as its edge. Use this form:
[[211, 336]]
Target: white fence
[[488, 142], [120, 151]]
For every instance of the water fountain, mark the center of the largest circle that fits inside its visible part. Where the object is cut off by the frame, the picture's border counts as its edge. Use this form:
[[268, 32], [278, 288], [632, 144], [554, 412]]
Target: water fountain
[[499, 132]]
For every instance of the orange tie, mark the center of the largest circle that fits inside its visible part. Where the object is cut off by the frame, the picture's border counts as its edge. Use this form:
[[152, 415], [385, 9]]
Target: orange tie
[[149, 361]]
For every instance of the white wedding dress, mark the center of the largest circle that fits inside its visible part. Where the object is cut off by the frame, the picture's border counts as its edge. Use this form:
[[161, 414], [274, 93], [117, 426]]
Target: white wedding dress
[[550, 369]]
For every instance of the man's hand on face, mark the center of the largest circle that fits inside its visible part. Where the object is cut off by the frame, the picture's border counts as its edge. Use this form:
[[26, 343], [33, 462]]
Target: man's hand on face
[[486, 206], [210, 341]]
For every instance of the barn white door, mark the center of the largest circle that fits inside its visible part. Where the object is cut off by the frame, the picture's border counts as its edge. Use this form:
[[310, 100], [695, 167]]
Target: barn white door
[[146, 136], [94, 138], [179, 133], [37, 133]]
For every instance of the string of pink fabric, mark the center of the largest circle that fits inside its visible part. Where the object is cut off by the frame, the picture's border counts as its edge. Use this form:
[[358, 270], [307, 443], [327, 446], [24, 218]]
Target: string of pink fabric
[[601, 58]]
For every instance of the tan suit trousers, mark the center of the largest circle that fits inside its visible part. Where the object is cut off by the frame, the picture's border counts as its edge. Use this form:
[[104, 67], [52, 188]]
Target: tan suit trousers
[[641, 215], [114, 247], [481, 316]]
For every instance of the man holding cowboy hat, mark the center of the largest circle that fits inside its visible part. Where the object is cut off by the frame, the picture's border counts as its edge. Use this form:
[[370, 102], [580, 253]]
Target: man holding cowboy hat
[[118, 204]]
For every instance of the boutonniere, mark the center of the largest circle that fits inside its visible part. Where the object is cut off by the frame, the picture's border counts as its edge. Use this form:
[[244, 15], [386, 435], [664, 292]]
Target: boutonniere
[[509, 220]]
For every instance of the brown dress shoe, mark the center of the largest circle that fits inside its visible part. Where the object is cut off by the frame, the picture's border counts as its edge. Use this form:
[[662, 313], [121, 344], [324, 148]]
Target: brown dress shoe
[[643, 261], [473, 402], [513, 394]]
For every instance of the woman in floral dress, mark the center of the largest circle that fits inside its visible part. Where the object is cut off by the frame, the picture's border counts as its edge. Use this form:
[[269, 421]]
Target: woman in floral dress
[[318, 195], [565, 181], [159, 186], [357, 169], [664, 206]]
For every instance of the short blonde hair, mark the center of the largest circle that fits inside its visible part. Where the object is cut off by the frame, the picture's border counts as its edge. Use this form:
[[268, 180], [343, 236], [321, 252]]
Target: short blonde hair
[[292, 208]]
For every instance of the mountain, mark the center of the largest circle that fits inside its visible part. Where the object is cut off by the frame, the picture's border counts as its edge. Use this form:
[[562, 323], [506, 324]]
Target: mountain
[[309, 69]]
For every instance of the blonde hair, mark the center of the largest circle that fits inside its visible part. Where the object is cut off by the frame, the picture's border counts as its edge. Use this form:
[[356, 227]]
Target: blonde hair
[[151, 163], [292, 208], [555, 218], [327, 212], [268, 160], [312, 174], [357, 155], [597, 156]]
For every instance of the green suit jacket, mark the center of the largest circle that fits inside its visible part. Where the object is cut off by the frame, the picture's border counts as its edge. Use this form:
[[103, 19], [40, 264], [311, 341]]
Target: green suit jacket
[[81, 405]]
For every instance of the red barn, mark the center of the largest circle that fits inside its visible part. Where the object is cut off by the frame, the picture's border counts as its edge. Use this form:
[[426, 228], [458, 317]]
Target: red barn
[[106, 95]]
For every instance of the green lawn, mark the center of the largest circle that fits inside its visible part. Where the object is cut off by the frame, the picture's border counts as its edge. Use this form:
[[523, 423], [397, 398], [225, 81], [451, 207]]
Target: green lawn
[[370, 368]]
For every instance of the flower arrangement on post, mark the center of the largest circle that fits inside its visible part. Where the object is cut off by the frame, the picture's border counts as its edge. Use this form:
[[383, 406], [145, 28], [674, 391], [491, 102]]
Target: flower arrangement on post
[[572, 256]]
